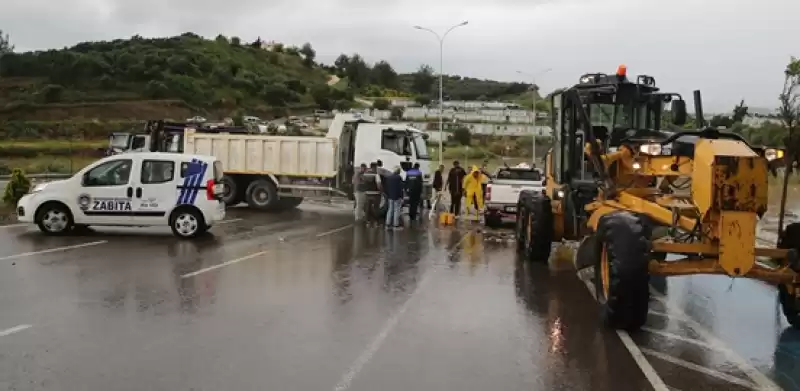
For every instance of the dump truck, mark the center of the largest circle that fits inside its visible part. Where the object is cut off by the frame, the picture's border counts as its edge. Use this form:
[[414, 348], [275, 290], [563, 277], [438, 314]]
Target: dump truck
[[633, 192], [277, 172]]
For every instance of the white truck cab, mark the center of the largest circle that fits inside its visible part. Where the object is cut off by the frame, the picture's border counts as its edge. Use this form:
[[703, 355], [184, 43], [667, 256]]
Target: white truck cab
[[131, 189], [502, 192]]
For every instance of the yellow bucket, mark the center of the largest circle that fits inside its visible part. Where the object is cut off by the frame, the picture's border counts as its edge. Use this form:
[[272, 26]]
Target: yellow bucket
[[447, 218]]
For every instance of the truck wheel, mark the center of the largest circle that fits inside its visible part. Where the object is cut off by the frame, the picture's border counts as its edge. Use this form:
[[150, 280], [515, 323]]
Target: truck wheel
[[262, 194], [54, 218], [539, 228], [232, 195], [187, 223], [789, 295], [622, 280], [290, 202]]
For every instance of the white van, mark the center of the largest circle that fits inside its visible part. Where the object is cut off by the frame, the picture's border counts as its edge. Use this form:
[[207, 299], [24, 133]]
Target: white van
[[131, 189]]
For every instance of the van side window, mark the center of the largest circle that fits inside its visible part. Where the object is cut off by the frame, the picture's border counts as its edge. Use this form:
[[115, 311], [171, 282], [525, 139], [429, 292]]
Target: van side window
[[157, 171], [112, 173]]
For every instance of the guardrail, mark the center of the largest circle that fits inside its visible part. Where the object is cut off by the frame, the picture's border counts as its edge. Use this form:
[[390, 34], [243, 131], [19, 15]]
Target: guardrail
[[44, 176]]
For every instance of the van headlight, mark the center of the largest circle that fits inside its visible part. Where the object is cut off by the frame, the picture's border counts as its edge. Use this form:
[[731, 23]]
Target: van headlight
[[650, 149], [771, 154]]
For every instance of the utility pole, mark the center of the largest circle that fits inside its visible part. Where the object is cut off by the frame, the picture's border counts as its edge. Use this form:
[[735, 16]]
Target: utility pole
[[533, 109], [441, 82]]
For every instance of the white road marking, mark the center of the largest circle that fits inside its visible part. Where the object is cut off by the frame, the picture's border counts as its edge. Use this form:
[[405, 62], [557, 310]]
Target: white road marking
[[333, 231], [228, 221], [761, 380], [53, 250], [701, 369], [14, 329], [231, 262], [365, 356], [14, 225], [680, 338], [638, 357]]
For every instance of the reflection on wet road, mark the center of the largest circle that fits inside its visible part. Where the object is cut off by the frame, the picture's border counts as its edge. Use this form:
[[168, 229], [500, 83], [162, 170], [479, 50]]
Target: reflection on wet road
[[306, 301]]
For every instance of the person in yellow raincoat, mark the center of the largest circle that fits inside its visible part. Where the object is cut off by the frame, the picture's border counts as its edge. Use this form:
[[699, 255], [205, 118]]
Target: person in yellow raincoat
[[473, 189]]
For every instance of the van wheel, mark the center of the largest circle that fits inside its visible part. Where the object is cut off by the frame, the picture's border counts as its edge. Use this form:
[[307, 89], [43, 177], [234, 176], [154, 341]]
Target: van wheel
[[54, 219], [187, 223], [231, 195], [622, 279], [262, 194]]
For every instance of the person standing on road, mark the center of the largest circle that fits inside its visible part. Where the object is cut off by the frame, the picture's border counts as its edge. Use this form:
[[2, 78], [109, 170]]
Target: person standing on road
[[372, 186], [485, 177], [359, 192], [438, 184], [414, 190], [455, 178], [394, 192], [474, 192]]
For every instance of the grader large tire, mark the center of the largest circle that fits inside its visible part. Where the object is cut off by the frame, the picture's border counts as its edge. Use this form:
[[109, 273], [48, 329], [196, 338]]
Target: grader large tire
[[622, 280], [788, 294], [521, 227], [538, 227]]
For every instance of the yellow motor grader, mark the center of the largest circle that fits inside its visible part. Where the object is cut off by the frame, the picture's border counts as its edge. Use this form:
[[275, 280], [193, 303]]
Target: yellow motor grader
[[633, 192]]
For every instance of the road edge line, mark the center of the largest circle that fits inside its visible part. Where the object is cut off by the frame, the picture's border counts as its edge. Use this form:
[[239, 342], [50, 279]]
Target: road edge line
[[636, 353], [335, 230], [223, 264]]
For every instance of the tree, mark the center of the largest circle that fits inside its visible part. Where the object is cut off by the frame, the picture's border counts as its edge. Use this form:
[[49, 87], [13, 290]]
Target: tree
[[462, 135], [257, 43], [235, 41], [341, 64], [422, 100], [739, 112], [381, 104], [221, 39], [423, 80], [17, 186], [357, 71], [5, 44], [396, 113], [308, 54], [384, 75], [789, 112]]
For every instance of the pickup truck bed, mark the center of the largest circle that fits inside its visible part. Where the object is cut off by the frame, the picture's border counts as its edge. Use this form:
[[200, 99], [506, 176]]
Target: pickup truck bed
[[503, 191]]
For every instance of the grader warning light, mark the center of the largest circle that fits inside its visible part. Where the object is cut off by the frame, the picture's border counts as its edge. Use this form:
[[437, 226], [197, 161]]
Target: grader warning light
[[633, 192]]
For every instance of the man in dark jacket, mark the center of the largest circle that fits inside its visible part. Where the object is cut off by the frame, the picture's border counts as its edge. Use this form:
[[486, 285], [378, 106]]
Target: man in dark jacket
[[371, 183], [414, 190], [394, 187], [455, 183]]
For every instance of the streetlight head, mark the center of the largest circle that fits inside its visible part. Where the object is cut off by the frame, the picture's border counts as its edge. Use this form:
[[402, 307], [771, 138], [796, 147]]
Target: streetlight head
[[418, 27], [464, 23]]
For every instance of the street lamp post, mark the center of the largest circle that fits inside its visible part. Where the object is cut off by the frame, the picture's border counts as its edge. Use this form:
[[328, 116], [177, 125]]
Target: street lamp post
[[533, 108], [441, 84]]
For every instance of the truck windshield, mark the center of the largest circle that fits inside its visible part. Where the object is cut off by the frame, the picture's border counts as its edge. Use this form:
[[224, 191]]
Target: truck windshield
[[421, 146]]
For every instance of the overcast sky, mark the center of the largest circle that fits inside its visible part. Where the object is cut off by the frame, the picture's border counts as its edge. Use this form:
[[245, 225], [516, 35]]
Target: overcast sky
[[730, 49]]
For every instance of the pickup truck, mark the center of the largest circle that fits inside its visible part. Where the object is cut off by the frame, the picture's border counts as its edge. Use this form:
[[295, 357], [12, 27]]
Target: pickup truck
[[503, 190]]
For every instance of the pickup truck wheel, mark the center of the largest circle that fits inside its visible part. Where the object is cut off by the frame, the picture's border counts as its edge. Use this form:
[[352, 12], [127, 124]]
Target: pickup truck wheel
[[262, 194], [539, 228], [54, 219], [622, 280], [187, 223], [231, 194]]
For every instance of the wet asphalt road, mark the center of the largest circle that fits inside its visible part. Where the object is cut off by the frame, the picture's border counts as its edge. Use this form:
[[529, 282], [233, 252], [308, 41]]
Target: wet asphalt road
[[305, 301]]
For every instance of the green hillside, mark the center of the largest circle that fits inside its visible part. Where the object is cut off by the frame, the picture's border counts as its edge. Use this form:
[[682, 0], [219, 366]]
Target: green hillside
[[193, 74]]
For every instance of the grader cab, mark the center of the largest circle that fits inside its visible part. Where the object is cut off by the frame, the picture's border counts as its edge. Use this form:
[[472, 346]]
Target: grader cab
[[633, 192]]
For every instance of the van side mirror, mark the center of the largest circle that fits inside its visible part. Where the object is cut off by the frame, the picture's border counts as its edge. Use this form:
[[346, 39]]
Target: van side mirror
[[679, 112]]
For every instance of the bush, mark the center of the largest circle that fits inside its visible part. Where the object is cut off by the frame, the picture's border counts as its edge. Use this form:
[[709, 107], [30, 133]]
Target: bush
[[17, 186], [381, 104]]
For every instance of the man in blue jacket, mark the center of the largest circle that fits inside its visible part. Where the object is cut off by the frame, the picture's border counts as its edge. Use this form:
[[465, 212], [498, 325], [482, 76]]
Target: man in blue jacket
[[394, 197], [414, 190]]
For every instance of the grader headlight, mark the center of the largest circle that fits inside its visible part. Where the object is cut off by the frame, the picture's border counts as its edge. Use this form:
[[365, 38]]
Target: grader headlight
[[650, 149], [771, 154]]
